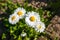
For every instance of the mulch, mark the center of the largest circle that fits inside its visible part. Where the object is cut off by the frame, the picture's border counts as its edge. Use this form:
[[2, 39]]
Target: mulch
[[53, 28]]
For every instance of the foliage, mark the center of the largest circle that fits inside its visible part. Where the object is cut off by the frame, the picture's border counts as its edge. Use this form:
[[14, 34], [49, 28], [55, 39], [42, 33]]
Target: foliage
[[16, 30]]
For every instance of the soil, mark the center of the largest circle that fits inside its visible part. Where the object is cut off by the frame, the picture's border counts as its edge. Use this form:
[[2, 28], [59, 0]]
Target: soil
[[53, 28]]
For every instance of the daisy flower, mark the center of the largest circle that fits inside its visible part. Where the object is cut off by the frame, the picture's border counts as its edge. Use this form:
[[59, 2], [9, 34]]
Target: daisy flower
[[40, 26], [32, 18], [20, 12], [23, 34], [13, 19]]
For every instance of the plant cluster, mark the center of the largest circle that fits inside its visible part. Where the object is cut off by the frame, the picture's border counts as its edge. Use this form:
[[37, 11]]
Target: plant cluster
[[23, 22]]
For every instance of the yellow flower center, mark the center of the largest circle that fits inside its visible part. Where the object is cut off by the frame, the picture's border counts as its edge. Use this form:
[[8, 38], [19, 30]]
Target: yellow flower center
[[13, 18], [39, 26], [32, 18], [20, 13]]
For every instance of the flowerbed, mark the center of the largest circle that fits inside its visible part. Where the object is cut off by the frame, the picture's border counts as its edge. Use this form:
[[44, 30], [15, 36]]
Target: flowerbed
[[24, 22]]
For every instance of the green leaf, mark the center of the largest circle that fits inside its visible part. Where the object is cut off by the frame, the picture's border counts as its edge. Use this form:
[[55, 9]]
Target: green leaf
[[19, 38], [3, 36], [26, 38]]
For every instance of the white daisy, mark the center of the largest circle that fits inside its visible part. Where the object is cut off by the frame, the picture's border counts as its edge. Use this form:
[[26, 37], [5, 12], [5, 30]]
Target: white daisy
[[32, 18], [23, 34], [40, 26], [20, 12], [13, 19]]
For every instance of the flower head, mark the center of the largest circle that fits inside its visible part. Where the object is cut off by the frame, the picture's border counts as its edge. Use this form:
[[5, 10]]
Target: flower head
[[40, 26], [20, 12], [13, 19], [32, 18]]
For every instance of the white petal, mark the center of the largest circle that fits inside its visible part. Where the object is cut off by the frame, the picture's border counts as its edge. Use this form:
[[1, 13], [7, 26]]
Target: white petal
[[15, 21], [42, 25], [23, 35], [20, 9], [27, 19]]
